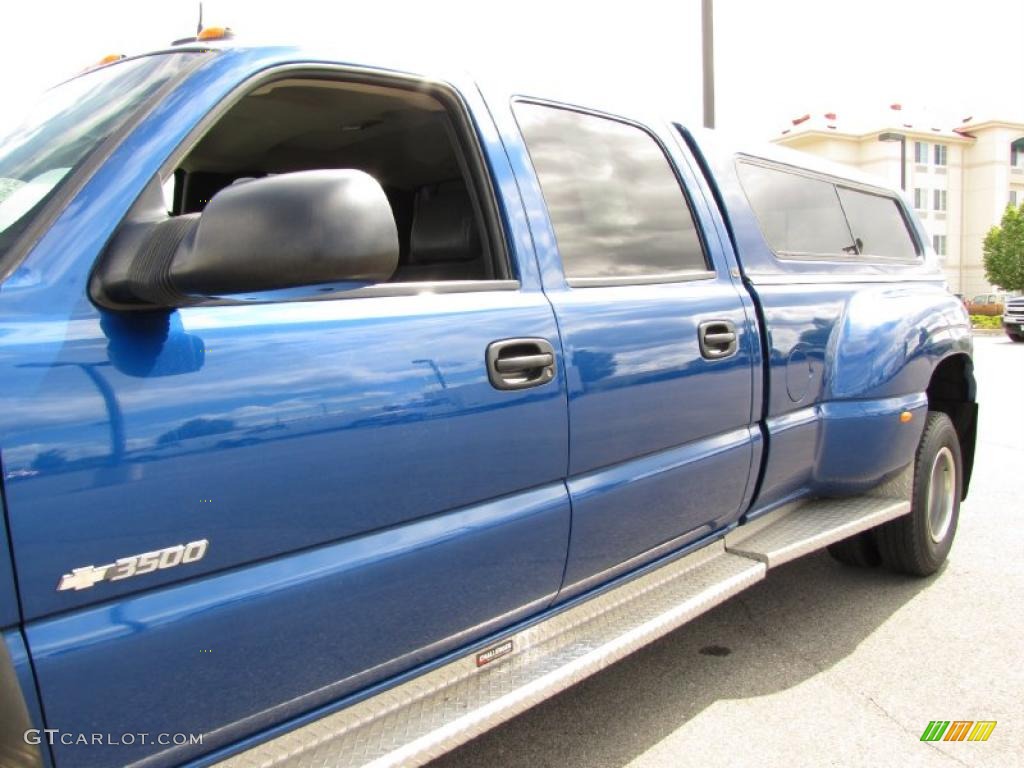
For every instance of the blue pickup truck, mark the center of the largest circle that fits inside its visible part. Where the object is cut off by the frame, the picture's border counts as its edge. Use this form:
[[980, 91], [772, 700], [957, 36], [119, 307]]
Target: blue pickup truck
[[350, 411]]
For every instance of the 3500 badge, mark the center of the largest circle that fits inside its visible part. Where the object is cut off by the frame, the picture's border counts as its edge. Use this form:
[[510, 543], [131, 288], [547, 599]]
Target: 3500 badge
[[134, 565]]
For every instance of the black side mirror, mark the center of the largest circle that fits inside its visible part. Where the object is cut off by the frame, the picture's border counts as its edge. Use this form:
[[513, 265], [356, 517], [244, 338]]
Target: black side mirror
[[297, 229]]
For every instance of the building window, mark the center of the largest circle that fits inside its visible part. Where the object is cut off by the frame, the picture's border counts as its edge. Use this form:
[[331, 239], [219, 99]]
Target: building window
[[1016, 156], [940, 200], [920, 199], [921, 153], [1013, 197], [939, 243], [940, 154]]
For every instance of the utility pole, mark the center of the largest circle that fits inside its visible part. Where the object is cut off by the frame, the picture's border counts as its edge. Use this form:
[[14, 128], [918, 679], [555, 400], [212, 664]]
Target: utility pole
[[707, 18], [902, 139]]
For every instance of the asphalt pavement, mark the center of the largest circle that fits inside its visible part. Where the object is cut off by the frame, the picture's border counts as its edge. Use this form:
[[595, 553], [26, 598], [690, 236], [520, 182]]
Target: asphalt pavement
[[823, 664]]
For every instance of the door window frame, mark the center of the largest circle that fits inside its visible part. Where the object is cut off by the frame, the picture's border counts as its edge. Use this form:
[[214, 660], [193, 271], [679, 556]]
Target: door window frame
[[469, 148], [681, 276]]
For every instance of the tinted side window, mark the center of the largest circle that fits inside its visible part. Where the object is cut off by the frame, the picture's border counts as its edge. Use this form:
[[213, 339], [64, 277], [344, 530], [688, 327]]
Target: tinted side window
[[615, 203], [799, 216], [878, 225]]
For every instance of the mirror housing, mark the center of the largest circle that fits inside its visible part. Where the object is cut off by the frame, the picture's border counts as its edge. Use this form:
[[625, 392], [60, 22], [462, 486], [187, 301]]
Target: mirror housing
[[288, 231]]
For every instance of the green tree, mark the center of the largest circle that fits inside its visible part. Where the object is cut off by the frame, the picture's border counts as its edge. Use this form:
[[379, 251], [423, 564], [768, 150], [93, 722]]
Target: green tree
[[1004, 251]]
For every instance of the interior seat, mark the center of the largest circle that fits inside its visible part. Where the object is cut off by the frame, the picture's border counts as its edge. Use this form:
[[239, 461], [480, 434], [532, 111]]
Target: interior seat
[[444, 243]]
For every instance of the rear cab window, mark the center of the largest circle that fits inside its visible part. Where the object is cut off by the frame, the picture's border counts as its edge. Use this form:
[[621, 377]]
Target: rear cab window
[[617, 208], [806, 217]]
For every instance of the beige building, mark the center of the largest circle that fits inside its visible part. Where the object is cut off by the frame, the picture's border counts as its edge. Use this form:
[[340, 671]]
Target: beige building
[[959, 177]]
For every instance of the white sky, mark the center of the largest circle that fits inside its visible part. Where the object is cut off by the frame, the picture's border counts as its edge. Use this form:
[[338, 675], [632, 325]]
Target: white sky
[[775, 59]]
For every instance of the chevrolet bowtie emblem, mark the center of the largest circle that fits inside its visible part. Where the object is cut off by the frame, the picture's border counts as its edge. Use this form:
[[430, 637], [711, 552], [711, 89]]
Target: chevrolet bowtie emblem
[[83, 578]]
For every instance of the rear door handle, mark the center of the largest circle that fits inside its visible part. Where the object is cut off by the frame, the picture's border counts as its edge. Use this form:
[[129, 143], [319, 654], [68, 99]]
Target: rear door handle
[[520, 363], [717, 339]]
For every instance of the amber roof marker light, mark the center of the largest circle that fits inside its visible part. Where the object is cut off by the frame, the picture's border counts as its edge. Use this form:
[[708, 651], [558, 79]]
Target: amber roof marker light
[[216, 33], [110, 58], [206, 34]]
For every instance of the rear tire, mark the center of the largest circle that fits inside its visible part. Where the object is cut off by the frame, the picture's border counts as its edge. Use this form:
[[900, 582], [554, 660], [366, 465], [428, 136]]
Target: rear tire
[[919, 542], [1017, 337], [860, 551]]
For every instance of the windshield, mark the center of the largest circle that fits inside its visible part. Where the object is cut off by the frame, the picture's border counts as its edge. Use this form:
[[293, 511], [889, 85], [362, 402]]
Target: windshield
[[67, 124]]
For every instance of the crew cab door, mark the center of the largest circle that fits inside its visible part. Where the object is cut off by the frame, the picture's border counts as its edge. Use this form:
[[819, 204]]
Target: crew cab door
[[355, 494], [659, 347]]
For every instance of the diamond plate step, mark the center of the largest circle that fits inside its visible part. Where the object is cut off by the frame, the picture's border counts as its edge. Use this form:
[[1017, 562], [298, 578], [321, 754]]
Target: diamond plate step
[[432, 714], [429, 715], [793, 531]]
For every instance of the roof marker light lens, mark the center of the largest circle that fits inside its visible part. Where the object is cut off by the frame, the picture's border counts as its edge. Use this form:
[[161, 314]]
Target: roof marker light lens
[[215, 33], [110, 58]]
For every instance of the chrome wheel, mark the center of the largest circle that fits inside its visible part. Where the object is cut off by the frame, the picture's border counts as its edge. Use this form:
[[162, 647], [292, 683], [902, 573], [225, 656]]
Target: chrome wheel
[[941, 494]]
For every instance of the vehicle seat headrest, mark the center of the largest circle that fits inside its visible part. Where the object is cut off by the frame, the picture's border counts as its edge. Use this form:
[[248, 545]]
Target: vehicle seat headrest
[[443, 226]]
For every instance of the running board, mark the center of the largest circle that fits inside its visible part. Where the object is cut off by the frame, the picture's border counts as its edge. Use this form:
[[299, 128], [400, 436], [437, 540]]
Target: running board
[[419, 720], [792, 532]]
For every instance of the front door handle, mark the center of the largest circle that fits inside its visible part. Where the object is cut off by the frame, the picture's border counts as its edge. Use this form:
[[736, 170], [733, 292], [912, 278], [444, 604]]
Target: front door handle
[[520, 363], [523, 363], [717, 339]]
